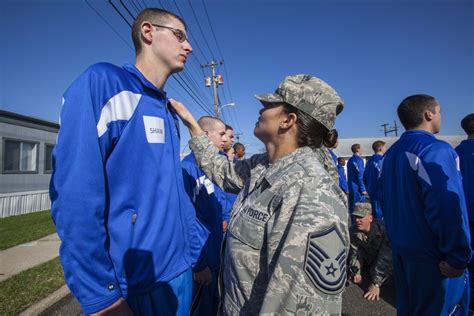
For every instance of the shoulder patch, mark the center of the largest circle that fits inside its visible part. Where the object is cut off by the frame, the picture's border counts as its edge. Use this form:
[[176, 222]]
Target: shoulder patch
[[325, 260]]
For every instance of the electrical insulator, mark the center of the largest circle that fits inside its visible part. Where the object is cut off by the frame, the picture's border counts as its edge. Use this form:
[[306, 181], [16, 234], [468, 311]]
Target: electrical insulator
[[220, 79], [207, 81]]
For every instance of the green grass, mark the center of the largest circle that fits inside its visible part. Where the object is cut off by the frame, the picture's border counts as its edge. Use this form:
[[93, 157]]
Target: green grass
[[28, 287], [15, 230]]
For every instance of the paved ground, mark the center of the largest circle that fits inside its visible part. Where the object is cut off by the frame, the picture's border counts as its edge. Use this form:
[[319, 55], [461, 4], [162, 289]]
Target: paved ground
[[353, 304], [22, 257]]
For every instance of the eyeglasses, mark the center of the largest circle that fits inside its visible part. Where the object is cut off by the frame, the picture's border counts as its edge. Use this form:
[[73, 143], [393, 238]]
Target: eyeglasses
[[180, 35]]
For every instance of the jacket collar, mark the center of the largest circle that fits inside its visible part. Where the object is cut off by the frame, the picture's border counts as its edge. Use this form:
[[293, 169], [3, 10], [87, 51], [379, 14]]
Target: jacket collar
[[134, 71]]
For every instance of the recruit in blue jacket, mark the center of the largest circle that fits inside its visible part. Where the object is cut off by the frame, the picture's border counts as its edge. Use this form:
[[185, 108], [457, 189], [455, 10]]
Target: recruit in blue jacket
[[342, 179], [117, 192], [333, 155], [209, 201], [423, 200], [466, 160], [371, 181], [355, 174]]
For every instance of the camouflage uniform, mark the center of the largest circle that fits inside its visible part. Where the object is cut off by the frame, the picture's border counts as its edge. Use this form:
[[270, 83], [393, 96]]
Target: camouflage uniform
[[372, 249], [287, 240]]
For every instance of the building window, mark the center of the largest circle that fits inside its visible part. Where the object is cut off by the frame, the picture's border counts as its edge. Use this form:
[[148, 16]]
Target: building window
[[48, 158], [20, 156]]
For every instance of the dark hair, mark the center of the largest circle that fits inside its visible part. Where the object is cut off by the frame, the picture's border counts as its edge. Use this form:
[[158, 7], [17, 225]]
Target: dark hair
[[467, 124], [159, 16], [228, 127], [412, 109], [341, 159], [377, 145], [310, 132], [238, 145], [355, 148]]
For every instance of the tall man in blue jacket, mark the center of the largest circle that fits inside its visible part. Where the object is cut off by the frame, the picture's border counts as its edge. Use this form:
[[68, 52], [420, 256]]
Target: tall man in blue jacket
[[210, 201], [425, 215], [128, 229], [355, 175], [466, 158], [371, 176]]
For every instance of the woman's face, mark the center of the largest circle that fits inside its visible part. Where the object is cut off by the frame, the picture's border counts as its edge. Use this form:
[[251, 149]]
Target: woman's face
[[268, 124]]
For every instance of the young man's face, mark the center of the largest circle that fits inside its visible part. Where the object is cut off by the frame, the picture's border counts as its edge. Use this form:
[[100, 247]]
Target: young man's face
[[342, 162], [436, 122], [217, 135], [167, 48], [240, 152], [230, 139]]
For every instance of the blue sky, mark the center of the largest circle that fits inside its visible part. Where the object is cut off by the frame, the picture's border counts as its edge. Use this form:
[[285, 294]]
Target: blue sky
[[374, 53]]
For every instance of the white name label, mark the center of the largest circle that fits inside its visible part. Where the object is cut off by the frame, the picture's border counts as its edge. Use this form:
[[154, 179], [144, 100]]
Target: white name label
[[154, 129]]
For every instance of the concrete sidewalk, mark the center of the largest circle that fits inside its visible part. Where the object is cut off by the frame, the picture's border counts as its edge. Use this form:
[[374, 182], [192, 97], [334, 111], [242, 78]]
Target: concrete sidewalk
[[22, 257]]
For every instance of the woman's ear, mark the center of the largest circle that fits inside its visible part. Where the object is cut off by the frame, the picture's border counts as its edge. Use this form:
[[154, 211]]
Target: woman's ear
[[289, 120]]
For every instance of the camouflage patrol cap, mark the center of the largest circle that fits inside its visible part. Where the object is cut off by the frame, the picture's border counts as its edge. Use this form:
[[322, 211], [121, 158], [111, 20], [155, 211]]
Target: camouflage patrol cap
[[362, 209], [310, 95]]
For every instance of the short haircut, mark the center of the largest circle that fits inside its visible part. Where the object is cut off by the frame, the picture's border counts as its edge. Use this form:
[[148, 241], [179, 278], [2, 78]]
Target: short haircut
[[411, 110], [467, 124], [238, 145], [155, 15], [228, 127], [341, 159], [377, 145], [208, 123], [355, 148]]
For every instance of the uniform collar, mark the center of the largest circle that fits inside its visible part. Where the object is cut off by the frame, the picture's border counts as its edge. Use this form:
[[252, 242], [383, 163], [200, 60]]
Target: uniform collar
[[134, 71]]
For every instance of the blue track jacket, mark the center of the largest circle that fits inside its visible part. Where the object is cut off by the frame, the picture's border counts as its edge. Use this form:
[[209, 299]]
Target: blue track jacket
[[355, 174], [334, 156], [466, 157], [371, 181], [342, 179], [117, 192], [423, 200], [209, 201]]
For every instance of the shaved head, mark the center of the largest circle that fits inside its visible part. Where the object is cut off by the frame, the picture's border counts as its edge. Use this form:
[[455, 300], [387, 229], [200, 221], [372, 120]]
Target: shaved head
[[214, 129], [209, 123]]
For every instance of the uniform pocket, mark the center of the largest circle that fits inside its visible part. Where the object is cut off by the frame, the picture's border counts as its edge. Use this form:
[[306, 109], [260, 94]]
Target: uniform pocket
[[249, 227]]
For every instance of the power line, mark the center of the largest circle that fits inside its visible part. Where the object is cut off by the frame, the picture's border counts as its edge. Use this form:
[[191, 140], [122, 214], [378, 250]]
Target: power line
[[109, 25], [135, 7], [126, 9], [120, 13], [188, 90], [218, 48], [200, 29]]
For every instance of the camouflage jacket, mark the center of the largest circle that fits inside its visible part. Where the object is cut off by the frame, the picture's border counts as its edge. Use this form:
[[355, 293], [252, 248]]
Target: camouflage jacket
[[373, 250], [287, 241]]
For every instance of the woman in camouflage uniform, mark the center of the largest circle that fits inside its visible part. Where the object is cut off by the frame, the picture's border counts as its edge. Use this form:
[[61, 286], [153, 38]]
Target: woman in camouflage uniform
[[287, 241]]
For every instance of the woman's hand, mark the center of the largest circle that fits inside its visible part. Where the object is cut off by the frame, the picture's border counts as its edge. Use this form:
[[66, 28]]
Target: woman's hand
[[186, 117]]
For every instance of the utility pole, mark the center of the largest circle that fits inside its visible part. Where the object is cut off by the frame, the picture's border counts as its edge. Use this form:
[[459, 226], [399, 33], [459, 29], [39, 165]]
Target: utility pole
[[237, 135], [388, 130], [214, 80]]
